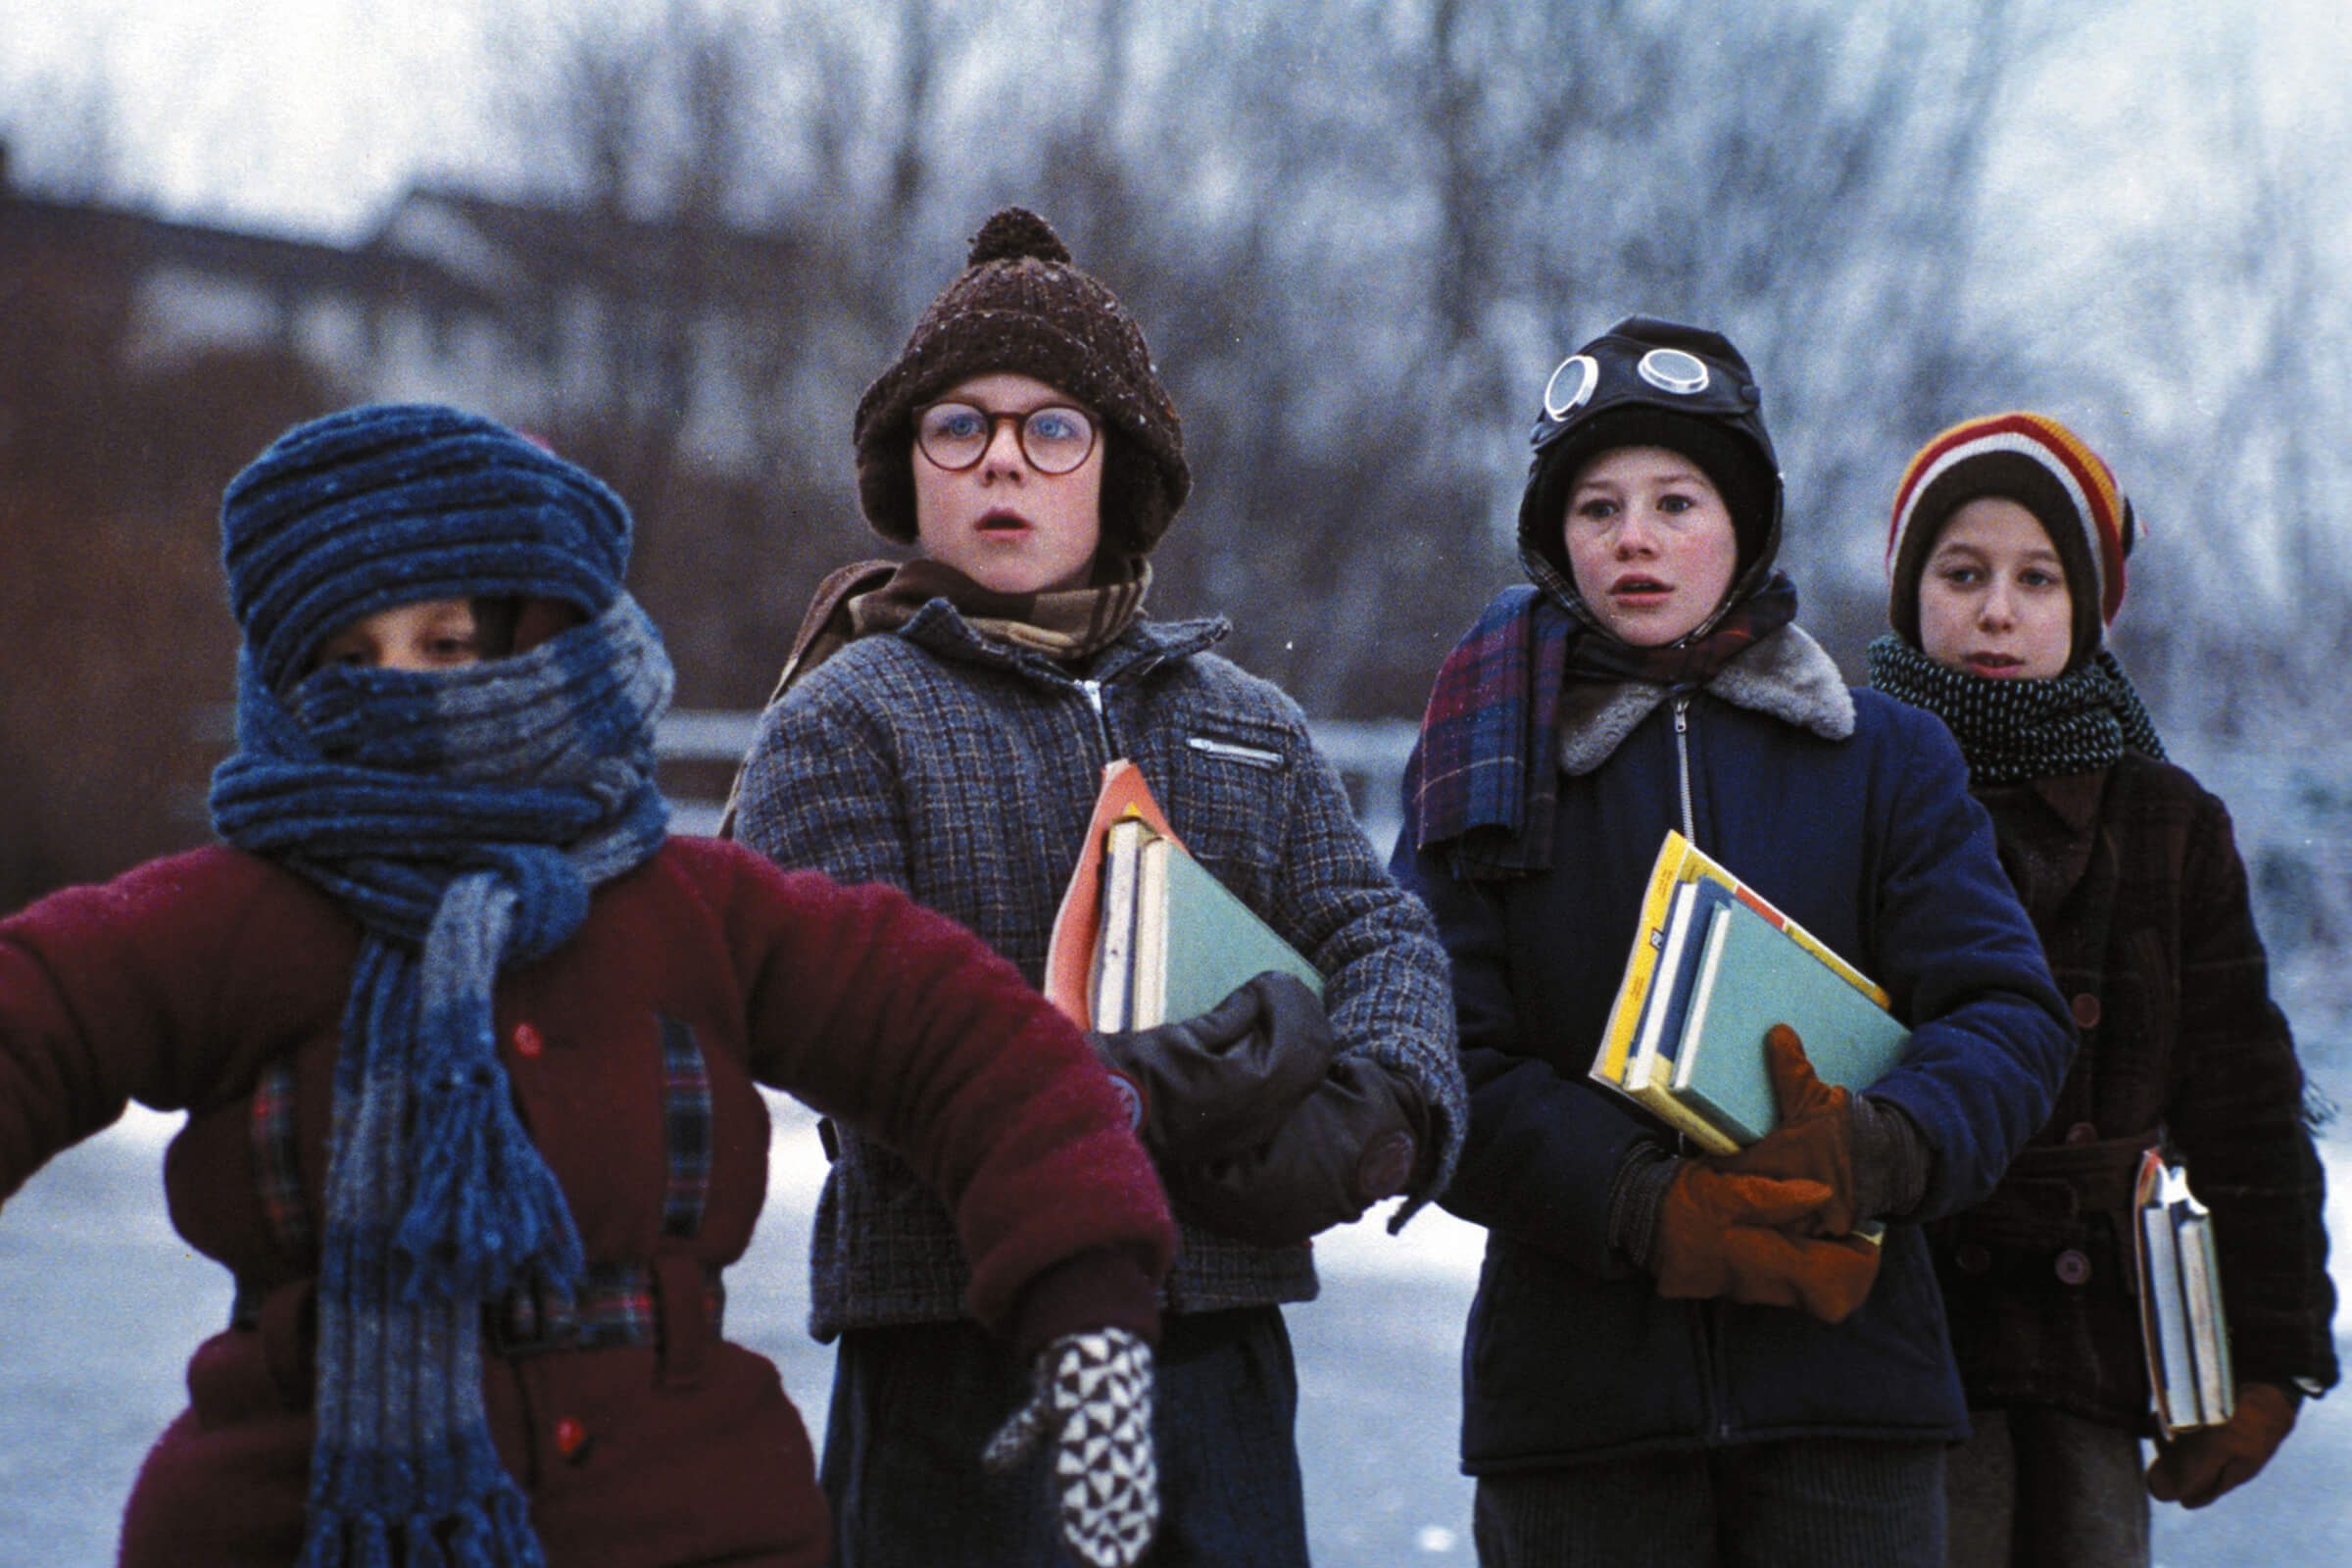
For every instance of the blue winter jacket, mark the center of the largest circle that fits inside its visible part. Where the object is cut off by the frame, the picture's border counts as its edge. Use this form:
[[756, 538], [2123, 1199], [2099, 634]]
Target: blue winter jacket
[[1871, 841]]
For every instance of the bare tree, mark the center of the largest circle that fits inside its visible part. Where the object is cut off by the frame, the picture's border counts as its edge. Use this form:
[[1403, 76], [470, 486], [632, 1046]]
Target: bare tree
[[1359, 233]]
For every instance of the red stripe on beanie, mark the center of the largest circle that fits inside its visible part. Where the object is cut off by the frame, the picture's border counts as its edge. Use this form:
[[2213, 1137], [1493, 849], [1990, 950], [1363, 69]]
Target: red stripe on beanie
[[2086, 478]]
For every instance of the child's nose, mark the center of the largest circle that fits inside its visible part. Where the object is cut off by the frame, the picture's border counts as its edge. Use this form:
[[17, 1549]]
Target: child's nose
[[1003, 453]]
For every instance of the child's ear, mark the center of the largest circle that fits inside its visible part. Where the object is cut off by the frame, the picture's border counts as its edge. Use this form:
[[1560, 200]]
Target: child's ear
[[538, 620]]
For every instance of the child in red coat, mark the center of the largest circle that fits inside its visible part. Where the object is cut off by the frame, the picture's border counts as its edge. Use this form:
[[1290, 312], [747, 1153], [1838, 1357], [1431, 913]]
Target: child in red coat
[[468, 1046]]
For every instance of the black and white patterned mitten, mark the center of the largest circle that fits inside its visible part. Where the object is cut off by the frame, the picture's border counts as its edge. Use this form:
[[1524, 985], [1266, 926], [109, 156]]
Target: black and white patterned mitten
[[1094, 1391]]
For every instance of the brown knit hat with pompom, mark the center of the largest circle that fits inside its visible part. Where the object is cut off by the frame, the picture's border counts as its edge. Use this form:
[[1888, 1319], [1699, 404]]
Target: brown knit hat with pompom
[[1021, 307]]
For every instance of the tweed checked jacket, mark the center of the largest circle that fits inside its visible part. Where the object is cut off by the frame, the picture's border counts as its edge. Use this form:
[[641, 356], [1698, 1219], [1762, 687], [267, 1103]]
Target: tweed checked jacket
[[964, 770]]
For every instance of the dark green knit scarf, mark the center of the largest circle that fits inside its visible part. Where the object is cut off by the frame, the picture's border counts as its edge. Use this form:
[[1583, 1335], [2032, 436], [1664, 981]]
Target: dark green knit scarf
[[2013, 731]]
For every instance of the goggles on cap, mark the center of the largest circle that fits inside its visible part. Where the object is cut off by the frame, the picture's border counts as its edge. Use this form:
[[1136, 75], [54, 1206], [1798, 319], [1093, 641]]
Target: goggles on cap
[[1611, 373]]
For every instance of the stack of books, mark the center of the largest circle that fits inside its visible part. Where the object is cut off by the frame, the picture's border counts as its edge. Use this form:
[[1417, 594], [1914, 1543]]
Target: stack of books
[[2186, 1337], [1145, 934], [1714, 966]]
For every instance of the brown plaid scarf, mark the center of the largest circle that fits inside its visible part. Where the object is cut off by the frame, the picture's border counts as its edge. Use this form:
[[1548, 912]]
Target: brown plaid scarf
[[871, 598]]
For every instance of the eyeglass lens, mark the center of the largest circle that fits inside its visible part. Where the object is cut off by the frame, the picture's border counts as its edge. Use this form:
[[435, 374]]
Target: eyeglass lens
[[1054, 439]]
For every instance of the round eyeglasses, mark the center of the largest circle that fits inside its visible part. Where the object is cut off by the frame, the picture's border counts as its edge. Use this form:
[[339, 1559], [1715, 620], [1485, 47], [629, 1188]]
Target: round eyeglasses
[[954, 436]]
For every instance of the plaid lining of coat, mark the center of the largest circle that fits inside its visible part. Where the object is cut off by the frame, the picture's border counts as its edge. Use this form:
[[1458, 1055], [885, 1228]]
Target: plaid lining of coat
[[614, 1304], [686, 1124], [277, 1160]]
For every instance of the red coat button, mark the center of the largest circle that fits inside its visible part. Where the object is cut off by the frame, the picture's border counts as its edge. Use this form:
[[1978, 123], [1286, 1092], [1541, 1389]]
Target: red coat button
[[572, 1438], [2082, 1131], [2086, 1010], [2072, 1267], [527, 1041]]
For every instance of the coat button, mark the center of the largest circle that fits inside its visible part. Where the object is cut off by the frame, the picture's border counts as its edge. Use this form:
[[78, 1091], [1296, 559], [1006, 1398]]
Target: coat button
[[1974, 1258], [571, 1439], [2086, 1010], [2072, 1267], [527, 1039], [2082, 1131]]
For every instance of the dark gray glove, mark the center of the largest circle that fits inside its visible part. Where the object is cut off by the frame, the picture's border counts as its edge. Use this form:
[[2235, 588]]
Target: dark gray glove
[[1351, 1143], [1221, 1083]]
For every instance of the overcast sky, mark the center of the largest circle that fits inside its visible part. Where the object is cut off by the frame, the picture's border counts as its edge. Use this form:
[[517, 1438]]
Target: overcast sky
[[300, 114], [310, 115]]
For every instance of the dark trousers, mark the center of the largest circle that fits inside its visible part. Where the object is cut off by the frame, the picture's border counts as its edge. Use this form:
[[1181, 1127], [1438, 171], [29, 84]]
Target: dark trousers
[[913, 1406], [2041, 1489], [1810, 1502]]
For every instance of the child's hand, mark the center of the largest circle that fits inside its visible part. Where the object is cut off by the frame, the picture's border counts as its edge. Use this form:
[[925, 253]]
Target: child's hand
[[2196, 1467], [1094, 1391], [1813, 1140], [1219, 1084], [1351, 1143], [1755, 1239]]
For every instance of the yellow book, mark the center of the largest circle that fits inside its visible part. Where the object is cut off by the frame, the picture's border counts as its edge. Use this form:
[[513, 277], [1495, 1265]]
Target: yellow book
[[1649, 1007]]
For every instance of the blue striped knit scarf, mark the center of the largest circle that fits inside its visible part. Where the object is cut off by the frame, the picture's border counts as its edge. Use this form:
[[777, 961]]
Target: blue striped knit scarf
[[463, 817]]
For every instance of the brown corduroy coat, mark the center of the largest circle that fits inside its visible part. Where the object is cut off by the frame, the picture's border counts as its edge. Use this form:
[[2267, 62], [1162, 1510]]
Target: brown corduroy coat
[[2132, 879]]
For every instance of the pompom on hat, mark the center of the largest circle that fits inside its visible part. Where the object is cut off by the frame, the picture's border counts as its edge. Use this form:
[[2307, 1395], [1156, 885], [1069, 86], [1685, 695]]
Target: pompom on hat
[[1023, 307], [2040, 463], [389, 504]]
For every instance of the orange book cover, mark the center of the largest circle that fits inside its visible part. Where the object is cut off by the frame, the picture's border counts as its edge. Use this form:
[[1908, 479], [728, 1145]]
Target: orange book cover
[[1070, 952]]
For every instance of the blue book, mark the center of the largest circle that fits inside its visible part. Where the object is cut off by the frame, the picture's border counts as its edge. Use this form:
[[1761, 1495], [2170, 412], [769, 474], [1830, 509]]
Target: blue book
[[1681, 945], [1752, 975]]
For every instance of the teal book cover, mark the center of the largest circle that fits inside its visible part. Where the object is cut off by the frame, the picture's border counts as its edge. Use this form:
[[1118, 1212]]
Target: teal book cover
[[1751, 976], [1212, 942]]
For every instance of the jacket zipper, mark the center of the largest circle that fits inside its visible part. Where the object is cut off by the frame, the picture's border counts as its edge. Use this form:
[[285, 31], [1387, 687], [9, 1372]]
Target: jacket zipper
[[1093, 699], [1707, 1325], [1254, 756], [1681, 756], [1710, 1363]]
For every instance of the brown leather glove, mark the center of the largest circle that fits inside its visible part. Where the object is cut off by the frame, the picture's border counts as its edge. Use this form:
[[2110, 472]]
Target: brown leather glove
[[1756, 1239], [1814, 1139], [2196, 1467]]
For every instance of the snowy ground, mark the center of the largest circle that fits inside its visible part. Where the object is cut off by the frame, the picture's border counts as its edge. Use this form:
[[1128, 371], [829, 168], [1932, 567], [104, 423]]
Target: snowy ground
[[100, 1303]]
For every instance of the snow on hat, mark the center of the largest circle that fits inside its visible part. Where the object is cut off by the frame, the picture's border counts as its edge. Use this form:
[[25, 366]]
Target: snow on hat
[[2038, 462], [1023, 307], [389, 504]]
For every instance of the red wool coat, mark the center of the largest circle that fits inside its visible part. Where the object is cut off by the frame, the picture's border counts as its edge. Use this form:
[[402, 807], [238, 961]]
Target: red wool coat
[[215, 982]]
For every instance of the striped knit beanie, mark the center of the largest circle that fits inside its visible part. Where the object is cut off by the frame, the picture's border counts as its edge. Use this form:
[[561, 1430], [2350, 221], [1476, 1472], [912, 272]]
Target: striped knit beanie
[[2038, 462], [1023, 307], [390, 504]]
